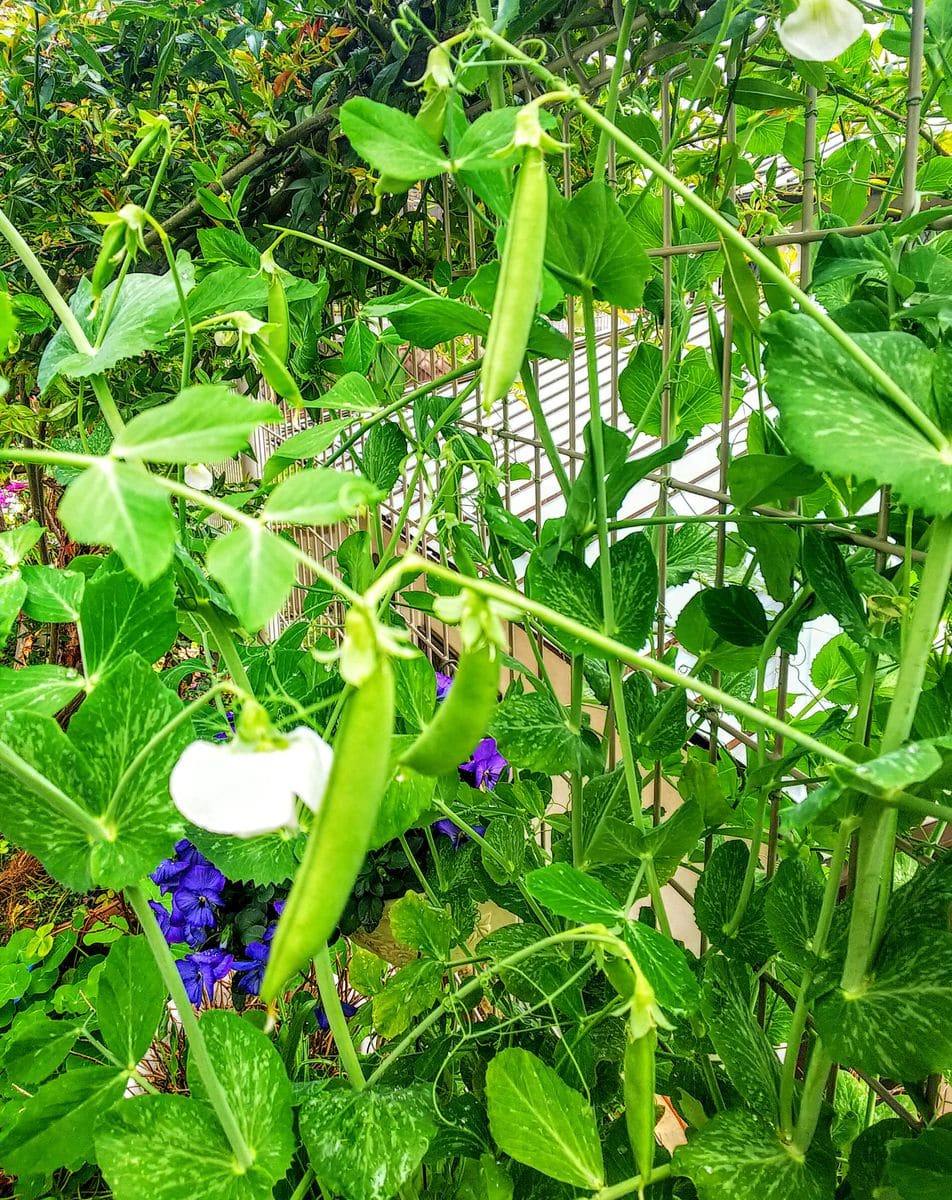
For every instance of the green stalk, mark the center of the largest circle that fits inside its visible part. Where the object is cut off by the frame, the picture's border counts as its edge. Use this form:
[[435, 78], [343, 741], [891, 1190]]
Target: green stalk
[[798, 1022], [415, 284], [330, 1000], [494, 73], [107, 404], [611, 100], [542, 428], [818, 1072], [638, 1183], [575, 719], [197, 1049]]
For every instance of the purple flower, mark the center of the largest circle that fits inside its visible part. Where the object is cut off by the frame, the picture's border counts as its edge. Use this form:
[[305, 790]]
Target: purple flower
[[202, 970], [223, 737], [443, 685], [321, 1016], [175, 931], [251, 969], [451, 830], [169, 872], [197, 893], [486, 767]]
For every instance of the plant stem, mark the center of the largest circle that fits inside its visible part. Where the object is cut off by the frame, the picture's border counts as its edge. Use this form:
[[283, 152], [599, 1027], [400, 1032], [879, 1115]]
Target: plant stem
[[330, 1000], [818, 1072], [225, 641], [197, 1048], [107, 404], [611, 100], [494, 73], [361, 258], [636, 1184], [575, 717]]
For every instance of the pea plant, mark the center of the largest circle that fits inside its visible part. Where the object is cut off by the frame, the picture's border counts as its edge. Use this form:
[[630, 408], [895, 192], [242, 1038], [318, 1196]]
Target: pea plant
[[387, 930]]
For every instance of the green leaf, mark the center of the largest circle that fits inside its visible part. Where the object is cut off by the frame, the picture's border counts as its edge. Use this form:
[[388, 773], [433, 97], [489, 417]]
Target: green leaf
[[118, 614], [738, 1156], [715, 901], [118, 505], [868, 1158], [740, 1042], [634, 575], [351, 393], [131, 1000], [773, 479], [695, 391], [204, 423], [896, 1023], [269, 858], [538, 1120], [417, 924], [571, 893], [827, 574], [41, 689], [503, 849], [366, 1145], [413, 990], [257, 569], [309, 443], [589, 244], [55, 1126], [569, 586], [415, 682], [753, 91], [16, 543], [405, 801], [385, 448], [665, 966], [321, 496], [920, 1168], [532, 732], [53, 594], [657, 720], [112, 731], [741, 292], [36, 1045], [141, 317], [391, 141], [831, 413], [12, 594], [735, 614], [792, 909]]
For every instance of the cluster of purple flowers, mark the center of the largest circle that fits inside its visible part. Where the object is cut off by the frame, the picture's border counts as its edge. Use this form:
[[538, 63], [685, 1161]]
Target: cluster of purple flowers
[[482, 771], [197, 889]]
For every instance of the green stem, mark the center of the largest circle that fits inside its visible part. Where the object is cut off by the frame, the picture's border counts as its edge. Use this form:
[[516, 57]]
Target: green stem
[[543, 430], [818, 1072], [330, 999], [494, 72], [361, 258], [197, 1048], [107, 404], [575, 719], [636, 1184], [304, 1186], [798, 1021], [225, 641], [46, 285], [611, 100]]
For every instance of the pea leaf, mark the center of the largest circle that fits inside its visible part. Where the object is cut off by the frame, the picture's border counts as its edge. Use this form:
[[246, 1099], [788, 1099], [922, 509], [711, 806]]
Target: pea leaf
[[715, 901], [831, 413], [391, 141], [735, 614], [257, 569], [571, 893], [740, 1042], [43, 689], [367, 1145], [920, 1168], [827, 574], [269, 858], [538, 1120], [416, 923], [118, 614], [532, 732], [665, 966], [53, 594], [738, 1156], [321, 496], [308, 443], [131, 999], [118, 504], [202, 424], [413, 990]]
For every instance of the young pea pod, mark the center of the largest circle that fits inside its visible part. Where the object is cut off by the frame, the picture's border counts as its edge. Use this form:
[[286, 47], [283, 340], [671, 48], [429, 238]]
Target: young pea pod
[[275, 373], [279, 336], [639, 1096], [341, 832], [461, 719], [520, 278], [110, 250]]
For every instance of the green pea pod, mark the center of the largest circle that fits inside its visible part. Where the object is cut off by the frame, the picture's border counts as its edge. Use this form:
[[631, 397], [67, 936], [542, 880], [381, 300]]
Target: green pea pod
[[341, 832], [520, 279], [461, 719], [149, 139], [274, 371], [113, 239], [639, 1095], [278, 317]]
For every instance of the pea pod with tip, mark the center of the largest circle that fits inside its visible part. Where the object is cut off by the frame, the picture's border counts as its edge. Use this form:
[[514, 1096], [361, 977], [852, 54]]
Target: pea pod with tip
[[340, 835], [461, 720]]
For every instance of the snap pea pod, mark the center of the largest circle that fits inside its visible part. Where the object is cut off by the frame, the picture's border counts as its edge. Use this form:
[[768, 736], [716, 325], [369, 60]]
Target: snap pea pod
[[639, 1096], [520, 278], [279, 336], [461, 719], [110, 253], [340, 835]]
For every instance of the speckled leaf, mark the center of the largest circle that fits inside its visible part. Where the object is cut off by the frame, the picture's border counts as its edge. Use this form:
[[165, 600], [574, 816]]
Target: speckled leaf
[[833, 416], [270, 858], [131, 999], [715, 900], [257, 569], [571, 893], [538, 1120], [738, 1156], [921, 1168], [792, 908], [898, 1024], [366, 1145], [741, 1044], [44, 688], [119, 614], [665, 966], [112, 728], [532, 732], [569, 586]]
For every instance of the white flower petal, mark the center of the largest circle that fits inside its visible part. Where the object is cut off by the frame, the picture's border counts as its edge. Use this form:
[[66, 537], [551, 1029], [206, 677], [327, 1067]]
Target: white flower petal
[[232, 788], [820, 30], [199, 477]]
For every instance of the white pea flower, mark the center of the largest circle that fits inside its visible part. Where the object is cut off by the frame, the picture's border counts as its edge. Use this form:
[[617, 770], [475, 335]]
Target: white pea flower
[[820, 30], [199, 477], [247, 787]]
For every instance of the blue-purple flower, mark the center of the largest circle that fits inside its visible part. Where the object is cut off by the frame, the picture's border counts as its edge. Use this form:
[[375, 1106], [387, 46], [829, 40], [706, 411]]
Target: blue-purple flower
[[486, 767], [451, 830], [251, 969], [202, 970], [321, 1016], [198, 892], [443, 685]]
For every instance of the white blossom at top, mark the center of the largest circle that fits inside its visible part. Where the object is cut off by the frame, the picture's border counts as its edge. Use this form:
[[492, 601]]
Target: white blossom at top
[[820, 30], [244, 788]]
